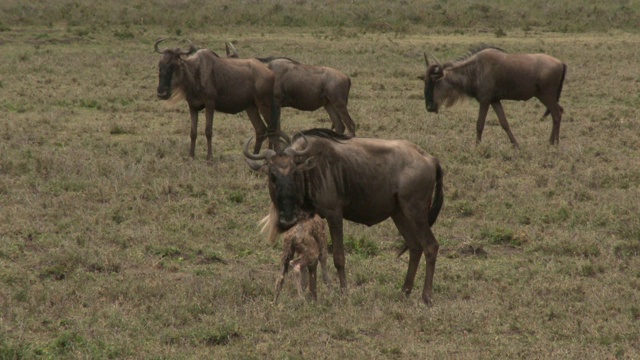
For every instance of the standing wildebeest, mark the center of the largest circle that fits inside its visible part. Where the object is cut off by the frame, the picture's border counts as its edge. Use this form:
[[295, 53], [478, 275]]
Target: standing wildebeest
[[207, 81], [307, 88], [489, 75], [308, 240], [362, 180]]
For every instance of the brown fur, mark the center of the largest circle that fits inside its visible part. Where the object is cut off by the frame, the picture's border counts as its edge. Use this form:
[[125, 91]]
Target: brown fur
[[362, 180], [209, 82], [308, 88], [308, 240], [490, 75]]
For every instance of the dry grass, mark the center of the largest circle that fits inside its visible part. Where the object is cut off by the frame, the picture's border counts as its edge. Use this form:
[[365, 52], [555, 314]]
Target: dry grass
[[116, 245]]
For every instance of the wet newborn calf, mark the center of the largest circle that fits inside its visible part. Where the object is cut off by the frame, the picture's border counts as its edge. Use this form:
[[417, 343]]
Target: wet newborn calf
[[308, 240]]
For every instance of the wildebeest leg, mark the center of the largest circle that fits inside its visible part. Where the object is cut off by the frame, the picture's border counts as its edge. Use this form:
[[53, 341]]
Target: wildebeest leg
[[335, 229], [312, 269], [297, 276], [208, 131], [259, 127], [419, 239], [556, 114], [284, 268], [346, 118], [415, 251], [497, 107], [482, 116], [194, 131], [323, 266], [336, 122]]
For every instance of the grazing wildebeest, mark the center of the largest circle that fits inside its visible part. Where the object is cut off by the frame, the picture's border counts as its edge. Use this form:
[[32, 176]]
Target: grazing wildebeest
[[308, 240], [307, 88], [489, 75], [207, 81], [362, 180]]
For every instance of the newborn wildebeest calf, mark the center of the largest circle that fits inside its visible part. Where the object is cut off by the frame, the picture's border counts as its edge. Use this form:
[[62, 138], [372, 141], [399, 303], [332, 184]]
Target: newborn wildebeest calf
[[308, 240]]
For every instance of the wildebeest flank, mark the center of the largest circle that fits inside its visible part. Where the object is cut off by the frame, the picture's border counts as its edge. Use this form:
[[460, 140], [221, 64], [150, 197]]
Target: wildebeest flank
[[489, 75], [362, 180], [209, 82], [308, 88]]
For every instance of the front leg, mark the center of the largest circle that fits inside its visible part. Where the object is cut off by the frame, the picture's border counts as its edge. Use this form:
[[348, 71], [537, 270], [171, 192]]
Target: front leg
[[208, 131], [194, 130], [482, 116], [335, 229]]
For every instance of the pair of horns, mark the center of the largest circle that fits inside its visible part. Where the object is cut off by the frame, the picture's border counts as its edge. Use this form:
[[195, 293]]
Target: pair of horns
[[267, 154], [191, 50]]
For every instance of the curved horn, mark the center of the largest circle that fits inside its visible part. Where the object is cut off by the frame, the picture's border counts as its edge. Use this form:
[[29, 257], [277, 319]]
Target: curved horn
[[426, 59], [155, 46], [433, 57], [264, 155], [231, 50], [293, 152], [191, 49]]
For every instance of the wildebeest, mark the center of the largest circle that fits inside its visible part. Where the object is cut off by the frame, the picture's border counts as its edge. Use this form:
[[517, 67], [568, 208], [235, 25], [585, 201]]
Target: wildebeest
[[308, 240], [489, 75], [207, 81], [362, 180], [307, 88]]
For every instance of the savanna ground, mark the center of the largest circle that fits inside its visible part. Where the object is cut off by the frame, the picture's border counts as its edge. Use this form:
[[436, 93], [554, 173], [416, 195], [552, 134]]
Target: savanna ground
[[114, 244]]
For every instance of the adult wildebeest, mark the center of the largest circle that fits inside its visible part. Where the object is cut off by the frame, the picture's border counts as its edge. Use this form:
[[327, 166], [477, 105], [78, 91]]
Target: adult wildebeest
[[307, 88], [489, 75], [362, 180], [207, 81]]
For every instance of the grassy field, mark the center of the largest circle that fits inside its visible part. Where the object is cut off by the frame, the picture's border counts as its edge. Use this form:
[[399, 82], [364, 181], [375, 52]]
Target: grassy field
[[114, 244]]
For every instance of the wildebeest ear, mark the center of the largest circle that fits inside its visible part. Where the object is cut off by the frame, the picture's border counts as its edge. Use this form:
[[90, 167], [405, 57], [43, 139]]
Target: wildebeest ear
[[422, 77], [310, 163]]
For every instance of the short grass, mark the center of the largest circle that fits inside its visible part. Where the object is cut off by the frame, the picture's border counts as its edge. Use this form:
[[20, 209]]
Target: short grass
[[114, 244]]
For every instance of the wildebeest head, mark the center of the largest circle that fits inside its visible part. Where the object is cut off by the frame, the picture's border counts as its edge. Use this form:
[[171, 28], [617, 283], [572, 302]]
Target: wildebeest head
[[436, 91], [286, 183], [168, 67]]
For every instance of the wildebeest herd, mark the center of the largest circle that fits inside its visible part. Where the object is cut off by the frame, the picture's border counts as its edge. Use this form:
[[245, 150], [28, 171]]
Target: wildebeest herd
[[337, 176]]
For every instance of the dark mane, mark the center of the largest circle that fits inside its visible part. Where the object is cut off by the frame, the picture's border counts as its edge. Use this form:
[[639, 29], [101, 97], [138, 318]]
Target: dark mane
[[322, 133], [271, 58], [474, 50]]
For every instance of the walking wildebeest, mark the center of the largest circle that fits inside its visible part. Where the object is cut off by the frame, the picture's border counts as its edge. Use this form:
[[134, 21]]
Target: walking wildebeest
[[489, 75], [308, 240], [362, 180], [307, 88], [207, 81]]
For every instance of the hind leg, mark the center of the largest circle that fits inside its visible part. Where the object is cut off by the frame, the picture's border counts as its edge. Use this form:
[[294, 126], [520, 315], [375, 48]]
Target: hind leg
[[419, 239], [259, 127], [336, 122]]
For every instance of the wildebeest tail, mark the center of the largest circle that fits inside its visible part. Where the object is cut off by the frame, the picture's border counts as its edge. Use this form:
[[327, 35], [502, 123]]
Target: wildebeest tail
[[438, 197], [564, 72], [436, 206], [270, 225]]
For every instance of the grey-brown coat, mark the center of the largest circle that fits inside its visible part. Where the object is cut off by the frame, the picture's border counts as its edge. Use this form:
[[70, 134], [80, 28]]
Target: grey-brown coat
[[489, 75], [207, 81], [362, 180], [308, 88]]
